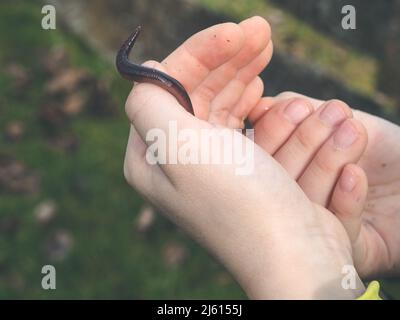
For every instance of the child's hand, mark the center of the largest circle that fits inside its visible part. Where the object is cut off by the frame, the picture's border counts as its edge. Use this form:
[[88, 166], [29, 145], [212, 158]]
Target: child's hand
[[333, 176]]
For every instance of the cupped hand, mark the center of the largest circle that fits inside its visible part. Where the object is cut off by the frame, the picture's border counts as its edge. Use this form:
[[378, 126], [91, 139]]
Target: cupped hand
[[376, 243], [263, 228]]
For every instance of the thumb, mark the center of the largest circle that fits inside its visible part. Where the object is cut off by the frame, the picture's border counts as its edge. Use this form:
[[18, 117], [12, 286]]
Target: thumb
[[348, 202], [149, 106]]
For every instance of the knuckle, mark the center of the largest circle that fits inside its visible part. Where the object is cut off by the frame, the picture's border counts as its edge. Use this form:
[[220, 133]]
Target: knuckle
[[206, 92], [323, 164], [287, 94], [336, 101], [301, 101], [305, 137], [340, 104]]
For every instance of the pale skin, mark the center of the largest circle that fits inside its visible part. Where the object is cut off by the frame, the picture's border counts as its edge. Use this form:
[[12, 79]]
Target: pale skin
[[371, 212], [259, 234]]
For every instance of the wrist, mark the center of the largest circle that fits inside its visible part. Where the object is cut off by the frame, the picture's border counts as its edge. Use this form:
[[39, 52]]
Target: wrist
[[310, 266], [305, 278]]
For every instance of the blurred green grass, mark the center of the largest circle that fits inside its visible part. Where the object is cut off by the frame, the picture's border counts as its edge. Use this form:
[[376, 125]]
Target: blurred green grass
[[109, 259]]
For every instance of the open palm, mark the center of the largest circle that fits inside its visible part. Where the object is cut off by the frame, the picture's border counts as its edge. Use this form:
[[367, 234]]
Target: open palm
[[221, 67]]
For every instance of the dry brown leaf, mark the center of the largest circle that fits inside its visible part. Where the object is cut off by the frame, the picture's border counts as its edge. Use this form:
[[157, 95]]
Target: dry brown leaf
[[45, 211], [52, 117], [66, 142], [67, 81], [145, 219], [19, 75], [74, 104], [59, 245], [15, 177], [14, 130], [174, 254], [55, 60]]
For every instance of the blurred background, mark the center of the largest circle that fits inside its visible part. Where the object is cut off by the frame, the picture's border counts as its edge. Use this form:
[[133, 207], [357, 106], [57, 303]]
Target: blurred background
[[63, 198]]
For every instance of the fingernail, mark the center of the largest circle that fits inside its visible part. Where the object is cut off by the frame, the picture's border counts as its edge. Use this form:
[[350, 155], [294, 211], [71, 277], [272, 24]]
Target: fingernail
[[347, 180], [297, 111], [345, 136], [332, 115]]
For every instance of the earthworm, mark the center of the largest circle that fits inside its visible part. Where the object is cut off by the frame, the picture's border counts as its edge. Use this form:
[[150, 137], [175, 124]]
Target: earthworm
[[138, 73]]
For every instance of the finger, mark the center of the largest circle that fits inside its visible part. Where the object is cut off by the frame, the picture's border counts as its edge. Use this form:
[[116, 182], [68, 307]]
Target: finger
[[241, 69], [256, 66], [277, 125], [303, 144], [250, 97], [348, 199], [262, 107], [208, 49], [257, 33], [316, 103], [225, 103], [150, 107], [267, 102], [346, 145]]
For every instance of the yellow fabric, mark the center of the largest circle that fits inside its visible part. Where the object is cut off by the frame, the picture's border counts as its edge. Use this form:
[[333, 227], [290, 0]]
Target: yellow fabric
[[372, 292]]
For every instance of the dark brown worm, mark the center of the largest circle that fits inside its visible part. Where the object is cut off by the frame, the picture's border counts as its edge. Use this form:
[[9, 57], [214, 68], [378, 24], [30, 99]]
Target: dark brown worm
[[138, 73]]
